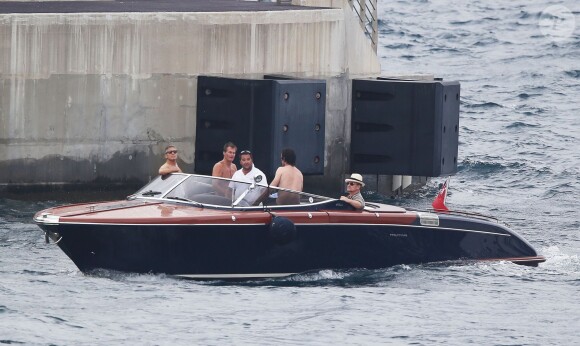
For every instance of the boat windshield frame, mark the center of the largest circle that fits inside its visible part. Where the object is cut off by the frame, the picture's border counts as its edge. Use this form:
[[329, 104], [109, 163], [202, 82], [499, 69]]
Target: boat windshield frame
[[201, 190]]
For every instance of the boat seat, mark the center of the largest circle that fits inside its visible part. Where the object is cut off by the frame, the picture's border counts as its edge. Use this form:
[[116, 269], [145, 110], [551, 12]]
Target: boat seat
[[207, 198], [263, 197], [203, 188]]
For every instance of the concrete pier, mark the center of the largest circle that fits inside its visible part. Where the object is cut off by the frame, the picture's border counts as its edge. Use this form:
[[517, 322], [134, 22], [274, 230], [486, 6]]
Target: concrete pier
[[94, 94]]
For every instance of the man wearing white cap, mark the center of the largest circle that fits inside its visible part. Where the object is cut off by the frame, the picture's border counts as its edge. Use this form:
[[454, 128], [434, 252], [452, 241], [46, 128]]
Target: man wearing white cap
[[353, 186]]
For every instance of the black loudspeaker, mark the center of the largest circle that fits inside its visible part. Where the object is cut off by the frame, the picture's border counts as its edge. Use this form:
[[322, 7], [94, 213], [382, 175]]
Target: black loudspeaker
[[404, 127], [264, 116]]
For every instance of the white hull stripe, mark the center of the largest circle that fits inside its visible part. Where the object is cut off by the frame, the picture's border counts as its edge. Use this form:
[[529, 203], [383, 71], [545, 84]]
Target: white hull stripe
[[233, 276]]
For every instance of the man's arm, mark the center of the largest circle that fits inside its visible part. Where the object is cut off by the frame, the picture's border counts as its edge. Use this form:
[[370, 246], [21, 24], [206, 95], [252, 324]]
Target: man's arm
[[166, 169], [277, 178], [216, 171], [232, 186], [356, 204], [264, 181]]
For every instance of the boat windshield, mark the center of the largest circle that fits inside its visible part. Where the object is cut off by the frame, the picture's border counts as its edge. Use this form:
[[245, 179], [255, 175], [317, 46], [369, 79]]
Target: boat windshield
[[160, 185], [224, 192]]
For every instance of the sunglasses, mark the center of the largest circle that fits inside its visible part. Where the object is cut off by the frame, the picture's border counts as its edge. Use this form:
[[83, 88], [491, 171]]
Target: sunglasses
[[245, 152], [171, 152], [350, 183]]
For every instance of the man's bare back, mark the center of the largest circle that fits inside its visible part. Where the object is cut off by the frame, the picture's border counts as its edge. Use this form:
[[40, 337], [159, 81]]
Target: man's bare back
[[288, 177]]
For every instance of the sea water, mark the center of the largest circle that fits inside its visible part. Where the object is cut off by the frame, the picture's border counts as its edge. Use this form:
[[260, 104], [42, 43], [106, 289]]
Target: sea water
[[518, 63]]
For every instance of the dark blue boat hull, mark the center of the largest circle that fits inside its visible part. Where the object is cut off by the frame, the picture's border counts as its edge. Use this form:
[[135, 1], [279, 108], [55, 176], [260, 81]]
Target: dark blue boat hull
[[221, 251]]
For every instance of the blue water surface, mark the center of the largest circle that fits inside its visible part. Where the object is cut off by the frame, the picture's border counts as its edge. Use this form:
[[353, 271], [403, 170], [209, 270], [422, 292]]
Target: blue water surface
[[519, 160]]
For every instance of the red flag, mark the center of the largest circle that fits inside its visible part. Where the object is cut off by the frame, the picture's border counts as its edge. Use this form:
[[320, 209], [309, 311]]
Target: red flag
[[439, 202]]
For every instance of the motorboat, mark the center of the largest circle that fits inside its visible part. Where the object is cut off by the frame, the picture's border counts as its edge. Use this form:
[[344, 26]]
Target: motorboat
[[202, 227]]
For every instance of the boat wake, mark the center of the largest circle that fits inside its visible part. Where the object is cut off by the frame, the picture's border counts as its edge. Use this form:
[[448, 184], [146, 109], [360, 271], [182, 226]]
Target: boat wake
[[558, 261], [127, 277]]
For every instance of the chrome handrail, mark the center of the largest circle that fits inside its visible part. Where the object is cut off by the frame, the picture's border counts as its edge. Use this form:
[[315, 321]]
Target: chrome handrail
[[366, 10], [463, 213]]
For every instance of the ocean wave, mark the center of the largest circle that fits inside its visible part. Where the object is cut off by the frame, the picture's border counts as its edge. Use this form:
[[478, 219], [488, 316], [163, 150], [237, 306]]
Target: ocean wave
[[447, 36], [566, 188], [119, 276], [348, 277], [463, 22], [321, 275], [479, 166], [484, 105], [398, 46], [486, 42], [329, 277], [573, 73], [515, 174], [518, 59], [559, 261], [520, 124], [36, 272], [11, 342], [525, 96], [525, 15], [444, 49]]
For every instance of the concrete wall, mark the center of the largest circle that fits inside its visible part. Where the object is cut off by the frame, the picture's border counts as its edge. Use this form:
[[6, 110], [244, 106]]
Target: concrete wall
[[96, 97]]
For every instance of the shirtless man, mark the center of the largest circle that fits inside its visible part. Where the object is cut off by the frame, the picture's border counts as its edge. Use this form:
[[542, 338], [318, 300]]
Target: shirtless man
[[288, 177], [170, 165], [225, 168]]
